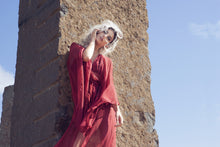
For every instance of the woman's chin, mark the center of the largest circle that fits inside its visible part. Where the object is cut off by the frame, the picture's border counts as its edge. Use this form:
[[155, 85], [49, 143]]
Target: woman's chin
[[98, 42]]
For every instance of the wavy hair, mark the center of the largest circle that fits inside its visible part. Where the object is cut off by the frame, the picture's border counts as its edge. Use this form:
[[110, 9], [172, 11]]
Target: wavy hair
[[104, 26]]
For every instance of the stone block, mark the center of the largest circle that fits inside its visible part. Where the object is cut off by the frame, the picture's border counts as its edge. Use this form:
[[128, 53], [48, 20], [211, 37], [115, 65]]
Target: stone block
[[28, 10], [5, 126], [46, 55], [46, 76], [43, 128], [50, 142], [45, 102]]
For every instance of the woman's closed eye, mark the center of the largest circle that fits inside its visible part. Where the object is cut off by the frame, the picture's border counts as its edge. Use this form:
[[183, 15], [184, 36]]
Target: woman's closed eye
[[109, 38]]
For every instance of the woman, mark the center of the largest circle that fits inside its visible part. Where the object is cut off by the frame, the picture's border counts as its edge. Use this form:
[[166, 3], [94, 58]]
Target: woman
[[96, 108]]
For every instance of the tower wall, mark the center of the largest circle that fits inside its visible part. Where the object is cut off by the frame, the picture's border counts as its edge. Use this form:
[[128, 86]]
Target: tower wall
[[42, 103]]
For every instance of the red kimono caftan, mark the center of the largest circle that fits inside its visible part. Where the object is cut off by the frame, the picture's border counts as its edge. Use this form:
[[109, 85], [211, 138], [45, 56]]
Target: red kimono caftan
[[93, 94]]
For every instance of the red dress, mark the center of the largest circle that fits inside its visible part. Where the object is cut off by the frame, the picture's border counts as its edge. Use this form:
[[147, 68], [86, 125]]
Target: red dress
[[93, 94]]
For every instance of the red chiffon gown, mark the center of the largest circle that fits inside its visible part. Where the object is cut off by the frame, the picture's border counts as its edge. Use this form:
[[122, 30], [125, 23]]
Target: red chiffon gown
[[93, 94]]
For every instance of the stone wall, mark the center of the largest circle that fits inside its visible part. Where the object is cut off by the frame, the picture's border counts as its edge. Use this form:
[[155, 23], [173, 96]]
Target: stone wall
[[42, 104], [37, 72], [131, 61], [5, 126]]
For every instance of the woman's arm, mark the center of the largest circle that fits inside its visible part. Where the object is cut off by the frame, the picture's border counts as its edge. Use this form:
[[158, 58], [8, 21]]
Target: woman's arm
[[88, 52]]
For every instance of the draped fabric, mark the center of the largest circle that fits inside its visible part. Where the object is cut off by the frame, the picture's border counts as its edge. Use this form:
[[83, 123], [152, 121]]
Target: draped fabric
[[93, 94]]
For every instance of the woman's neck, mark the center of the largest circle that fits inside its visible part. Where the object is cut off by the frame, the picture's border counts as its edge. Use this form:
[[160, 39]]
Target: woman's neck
[[95, 54]]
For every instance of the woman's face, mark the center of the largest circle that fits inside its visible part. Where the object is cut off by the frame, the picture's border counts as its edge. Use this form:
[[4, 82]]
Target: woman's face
[[104, 37]]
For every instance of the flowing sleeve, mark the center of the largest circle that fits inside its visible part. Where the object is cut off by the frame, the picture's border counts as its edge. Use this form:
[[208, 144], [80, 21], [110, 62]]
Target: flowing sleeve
[[76, 74]]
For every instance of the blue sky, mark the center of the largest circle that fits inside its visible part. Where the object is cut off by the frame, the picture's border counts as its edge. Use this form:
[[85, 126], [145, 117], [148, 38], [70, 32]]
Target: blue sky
[[8, 42], [184, 46]]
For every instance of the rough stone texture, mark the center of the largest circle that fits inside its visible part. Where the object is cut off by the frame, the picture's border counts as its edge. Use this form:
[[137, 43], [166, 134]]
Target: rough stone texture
[[35, 108], [5, 125], [131, 61], [42, 104]]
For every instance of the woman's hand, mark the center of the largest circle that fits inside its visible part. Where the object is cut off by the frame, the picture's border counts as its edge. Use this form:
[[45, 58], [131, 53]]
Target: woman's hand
[[119, 117], [93, 35]]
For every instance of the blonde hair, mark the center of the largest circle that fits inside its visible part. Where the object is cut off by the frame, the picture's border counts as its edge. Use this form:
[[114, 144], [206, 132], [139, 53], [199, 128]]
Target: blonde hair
[[104, 26]]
